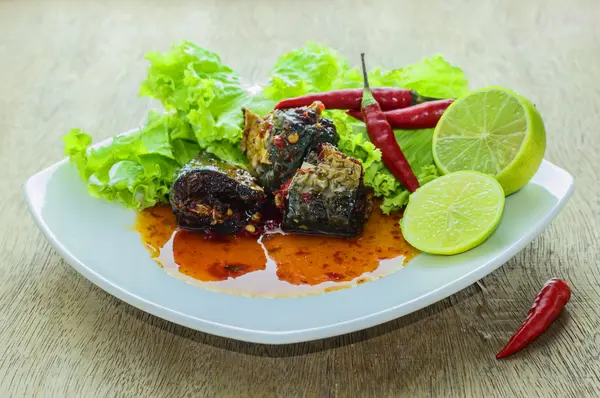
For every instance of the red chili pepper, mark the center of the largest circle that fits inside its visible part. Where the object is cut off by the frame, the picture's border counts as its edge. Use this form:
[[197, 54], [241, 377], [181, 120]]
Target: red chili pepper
[[382, 136], [548, 304], [387, 97], [278, 141], [421, 116]]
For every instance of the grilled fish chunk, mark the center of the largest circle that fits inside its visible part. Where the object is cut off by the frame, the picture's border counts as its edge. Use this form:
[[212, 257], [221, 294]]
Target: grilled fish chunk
[[277, 144], [213, 196], [328, 197]]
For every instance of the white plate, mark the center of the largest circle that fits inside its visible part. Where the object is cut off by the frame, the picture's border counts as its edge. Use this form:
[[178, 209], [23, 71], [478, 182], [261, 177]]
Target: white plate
[[96, 238]]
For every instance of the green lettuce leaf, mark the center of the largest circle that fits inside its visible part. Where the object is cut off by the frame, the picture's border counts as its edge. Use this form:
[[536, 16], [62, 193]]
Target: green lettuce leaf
[[310, 69], [205, 95], [135, 169], [432, 76], [317, 68]]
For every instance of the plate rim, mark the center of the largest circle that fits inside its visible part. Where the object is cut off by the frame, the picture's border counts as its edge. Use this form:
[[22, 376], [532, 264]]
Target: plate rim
[[298, 335]]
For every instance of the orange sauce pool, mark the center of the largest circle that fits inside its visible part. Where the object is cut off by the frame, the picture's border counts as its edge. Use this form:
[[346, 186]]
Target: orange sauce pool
[[306, 259], [156, 226], [217, 259], [301, 260]]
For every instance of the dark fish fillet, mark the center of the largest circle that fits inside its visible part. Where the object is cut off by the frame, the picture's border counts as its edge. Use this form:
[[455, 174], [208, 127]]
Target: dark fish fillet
[[328, 197], [213, 196], [277, 144]]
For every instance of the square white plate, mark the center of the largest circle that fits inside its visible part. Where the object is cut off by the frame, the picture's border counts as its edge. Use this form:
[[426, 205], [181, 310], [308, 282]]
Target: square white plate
[[97, 239]]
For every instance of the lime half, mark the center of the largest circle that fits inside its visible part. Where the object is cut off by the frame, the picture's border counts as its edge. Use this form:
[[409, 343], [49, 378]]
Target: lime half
[[494, 131], [453, 213]]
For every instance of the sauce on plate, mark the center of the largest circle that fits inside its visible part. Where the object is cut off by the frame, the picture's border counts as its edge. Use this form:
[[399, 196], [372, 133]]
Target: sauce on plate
[[306, 259], [216, 259], [274, 264]]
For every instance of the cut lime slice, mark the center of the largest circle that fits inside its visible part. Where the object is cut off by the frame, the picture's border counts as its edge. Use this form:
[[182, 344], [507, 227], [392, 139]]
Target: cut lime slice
[[453, 213], [494, 131]]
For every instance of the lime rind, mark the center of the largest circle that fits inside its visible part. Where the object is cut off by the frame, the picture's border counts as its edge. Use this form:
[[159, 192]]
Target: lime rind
[[494, 131], [453, 213]]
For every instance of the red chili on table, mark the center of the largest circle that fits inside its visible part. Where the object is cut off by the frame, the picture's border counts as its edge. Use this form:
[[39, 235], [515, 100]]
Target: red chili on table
[[381, 134], [420, 116], [387, 97], [548, 304]]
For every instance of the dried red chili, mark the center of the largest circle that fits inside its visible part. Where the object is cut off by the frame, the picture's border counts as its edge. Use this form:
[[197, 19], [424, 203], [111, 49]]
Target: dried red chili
[[382, 136], [421, 116], [278, 141], [547, 306]]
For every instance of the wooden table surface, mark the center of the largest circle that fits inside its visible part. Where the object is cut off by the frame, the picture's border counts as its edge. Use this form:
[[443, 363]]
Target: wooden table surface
[[79, 64]]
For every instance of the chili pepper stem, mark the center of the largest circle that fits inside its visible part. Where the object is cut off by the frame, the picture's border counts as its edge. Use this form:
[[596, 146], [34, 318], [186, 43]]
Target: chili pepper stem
[[368, 98]]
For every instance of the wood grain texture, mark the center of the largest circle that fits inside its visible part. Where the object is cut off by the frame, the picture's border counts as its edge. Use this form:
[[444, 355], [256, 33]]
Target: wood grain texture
[[79, 63]]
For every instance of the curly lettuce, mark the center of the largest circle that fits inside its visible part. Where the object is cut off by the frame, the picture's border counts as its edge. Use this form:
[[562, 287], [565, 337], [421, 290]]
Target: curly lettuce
[[309, 69], [205, 94], [432, 77], [135, 169]]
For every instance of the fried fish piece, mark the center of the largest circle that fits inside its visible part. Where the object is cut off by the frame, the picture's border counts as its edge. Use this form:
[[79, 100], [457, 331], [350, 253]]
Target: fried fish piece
[[213, 196], [277, 144], [326, 197]]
